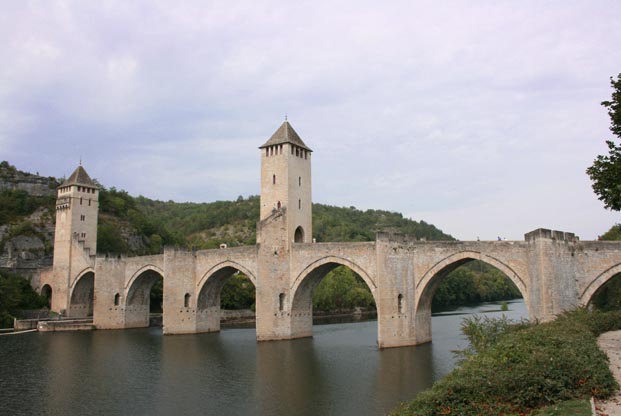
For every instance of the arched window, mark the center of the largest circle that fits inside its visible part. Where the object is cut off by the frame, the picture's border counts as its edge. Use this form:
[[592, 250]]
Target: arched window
[[46, 292], [117, 297], [186, 300], [278, 205], [400, 303], [298, 237], [281, 302]]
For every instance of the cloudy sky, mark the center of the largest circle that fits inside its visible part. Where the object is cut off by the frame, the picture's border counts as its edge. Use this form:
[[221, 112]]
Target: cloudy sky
[[477, 116]]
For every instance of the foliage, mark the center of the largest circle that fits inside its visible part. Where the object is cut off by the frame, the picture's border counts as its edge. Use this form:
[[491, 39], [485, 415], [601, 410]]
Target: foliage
[[614, 234], [606, 169], [569, 407], [517, 370], [238, 293], [608, 297], [341, 289], [350, 224], [472, 283], [15, 204], [119, 211], [16, 294]]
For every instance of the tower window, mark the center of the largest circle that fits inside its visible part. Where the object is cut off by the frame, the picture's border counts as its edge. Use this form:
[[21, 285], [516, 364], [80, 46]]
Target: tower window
[[82, 217], [278, 205], [80, 200], [299, 204], [292, 150], [297, 151], [305, 154], [186, 300], [273, 179], [89, 202], [400, 303], [299, 181], [116, 299], [267, 152]]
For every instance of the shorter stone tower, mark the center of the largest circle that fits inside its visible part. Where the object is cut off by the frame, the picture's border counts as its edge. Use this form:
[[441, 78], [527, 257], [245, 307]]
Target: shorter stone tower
[[75, 239]]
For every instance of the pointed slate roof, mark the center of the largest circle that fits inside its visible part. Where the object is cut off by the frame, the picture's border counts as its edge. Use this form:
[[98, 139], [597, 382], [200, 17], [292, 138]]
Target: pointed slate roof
[[80, 177], [285, 134]]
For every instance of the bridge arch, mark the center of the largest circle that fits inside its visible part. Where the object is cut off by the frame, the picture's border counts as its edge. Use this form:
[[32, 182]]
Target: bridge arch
[[427, 286], [301, 308], [208, 293], [596, 284], [138, 295], [82, 294]]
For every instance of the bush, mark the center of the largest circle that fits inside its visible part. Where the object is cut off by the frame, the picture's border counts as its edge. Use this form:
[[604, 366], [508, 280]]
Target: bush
[[516, 369]]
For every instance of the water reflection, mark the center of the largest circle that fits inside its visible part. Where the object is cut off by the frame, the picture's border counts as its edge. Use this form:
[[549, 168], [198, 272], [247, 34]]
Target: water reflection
[[141, 372]]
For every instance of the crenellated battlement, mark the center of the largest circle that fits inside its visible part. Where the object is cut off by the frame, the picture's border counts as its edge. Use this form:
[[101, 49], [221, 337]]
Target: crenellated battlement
[[543, 233]]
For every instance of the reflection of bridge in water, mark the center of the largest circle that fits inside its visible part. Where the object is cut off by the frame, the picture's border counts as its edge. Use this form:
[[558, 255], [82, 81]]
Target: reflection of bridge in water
[[553, 270]]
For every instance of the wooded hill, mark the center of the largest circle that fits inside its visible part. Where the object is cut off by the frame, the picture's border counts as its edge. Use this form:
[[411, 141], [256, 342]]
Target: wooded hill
[[139, 226]]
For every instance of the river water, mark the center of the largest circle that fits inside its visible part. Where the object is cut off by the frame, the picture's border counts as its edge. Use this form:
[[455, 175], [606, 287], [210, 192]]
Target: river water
[[339, 371]]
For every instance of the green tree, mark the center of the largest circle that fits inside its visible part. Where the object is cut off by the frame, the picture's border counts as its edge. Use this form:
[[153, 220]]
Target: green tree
[[16, 294], [606, 169]]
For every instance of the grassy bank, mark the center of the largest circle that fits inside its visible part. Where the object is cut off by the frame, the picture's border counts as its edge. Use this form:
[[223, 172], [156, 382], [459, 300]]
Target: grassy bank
[[518, 368]]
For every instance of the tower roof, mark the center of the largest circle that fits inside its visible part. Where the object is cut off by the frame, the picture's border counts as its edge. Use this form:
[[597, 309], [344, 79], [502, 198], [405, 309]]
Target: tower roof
[[79, 177], [285, 134]]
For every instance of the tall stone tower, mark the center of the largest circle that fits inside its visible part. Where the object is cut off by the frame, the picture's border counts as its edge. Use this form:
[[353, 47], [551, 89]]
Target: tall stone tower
[[285, 219], [286, 183], [75, 239]]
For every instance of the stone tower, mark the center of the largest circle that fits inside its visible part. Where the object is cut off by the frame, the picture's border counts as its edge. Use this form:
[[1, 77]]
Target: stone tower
[[286, 183], [285, 219], [75, 239]]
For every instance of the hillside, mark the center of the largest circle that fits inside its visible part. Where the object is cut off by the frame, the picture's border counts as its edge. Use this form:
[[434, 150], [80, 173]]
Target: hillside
[[138, 225]]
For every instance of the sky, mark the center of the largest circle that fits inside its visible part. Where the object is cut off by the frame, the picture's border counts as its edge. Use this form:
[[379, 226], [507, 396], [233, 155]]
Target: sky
[[479, 117]]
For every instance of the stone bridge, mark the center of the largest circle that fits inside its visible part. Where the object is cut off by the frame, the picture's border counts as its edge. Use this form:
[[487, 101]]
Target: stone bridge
[[553, 270]]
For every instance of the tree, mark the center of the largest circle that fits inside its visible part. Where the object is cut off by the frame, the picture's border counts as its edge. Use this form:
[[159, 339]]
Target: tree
[[606, 169]]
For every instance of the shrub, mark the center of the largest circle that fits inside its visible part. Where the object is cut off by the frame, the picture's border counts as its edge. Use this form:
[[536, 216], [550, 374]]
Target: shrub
[[520, 368]]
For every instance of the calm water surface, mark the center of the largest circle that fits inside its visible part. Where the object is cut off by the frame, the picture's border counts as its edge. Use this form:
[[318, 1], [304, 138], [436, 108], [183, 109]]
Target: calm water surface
[[339, 371]]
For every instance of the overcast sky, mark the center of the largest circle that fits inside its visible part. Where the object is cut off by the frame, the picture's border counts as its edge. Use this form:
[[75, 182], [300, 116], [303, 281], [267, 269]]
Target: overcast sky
[[479, 117]]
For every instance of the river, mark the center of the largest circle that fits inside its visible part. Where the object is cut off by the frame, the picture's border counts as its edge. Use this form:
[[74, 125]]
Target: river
[[339, 371]]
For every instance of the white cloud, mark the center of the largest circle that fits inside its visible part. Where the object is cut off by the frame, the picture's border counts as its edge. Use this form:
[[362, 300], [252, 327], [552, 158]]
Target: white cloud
[[480, 117]]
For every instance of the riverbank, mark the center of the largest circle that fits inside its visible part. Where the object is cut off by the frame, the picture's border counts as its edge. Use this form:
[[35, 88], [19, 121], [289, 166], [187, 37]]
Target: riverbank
[[515, 369]]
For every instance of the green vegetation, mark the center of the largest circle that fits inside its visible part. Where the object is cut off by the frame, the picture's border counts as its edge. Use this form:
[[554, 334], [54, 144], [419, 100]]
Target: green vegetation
[[238, 293], [606, 169], [15, 204], [517, 368], [474, 282], [570, 407], [614, 234], [342, 289], [16, 294], [121, 218]]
